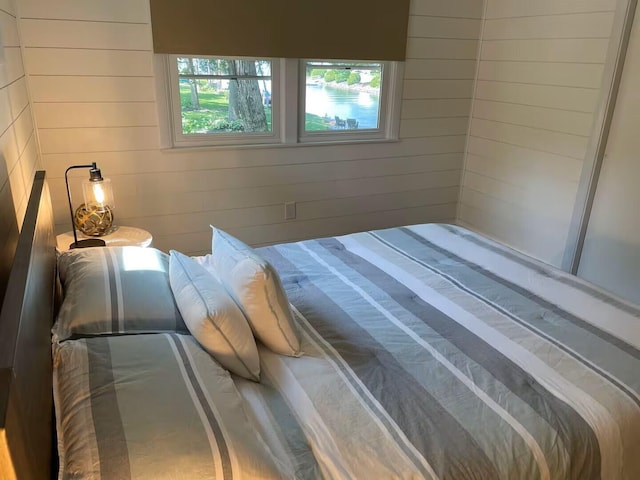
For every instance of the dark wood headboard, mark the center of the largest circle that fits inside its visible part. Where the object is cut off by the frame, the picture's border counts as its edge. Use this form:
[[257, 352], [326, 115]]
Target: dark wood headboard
[[26, 402]]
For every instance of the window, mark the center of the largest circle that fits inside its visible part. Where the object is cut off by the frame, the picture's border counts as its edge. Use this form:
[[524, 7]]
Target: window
[[341, 97], [223, 100], [229, 101]]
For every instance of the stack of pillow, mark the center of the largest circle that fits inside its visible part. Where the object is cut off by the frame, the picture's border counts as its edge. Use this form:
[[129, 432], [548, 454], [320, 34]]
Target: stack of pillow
[[228, 297], [226, 300]]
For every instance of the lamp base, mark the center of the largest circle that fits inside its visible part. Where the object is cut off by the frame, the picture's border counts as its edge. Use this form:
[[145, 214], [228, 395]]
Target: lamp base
[[89, 242]]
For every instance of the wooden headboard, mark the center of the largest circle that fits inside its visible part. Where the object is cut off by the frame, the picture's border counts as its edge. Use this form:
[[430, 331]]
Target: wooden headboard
[[26, 403]]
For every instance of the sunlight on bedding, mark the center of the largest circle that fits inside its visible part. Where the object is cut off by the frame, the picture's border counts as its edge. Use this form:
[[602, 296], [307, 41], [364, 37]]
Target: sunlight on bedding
[[135, 258]]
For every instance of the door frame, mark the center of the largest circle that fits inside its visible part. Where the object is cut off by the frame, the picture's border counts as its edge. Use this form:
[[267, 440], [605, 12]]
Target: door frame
[[596, 150]]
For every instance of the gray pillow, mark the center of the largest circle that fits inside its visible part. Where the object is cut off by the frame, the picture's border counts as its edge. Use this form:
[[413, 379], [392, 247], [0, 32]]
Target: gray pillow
[[115, 290]]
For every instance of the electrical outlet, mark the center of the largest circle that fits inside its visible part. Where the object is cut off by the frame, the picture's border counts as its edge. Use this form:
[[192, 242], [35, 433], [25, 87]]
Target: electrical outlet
[[289, 210]]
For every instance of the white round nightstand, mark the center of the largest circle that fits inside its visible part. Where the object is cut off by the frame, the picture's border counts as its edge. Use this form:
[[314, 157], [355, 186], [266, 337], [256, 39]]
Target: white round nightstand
[[121, 236]]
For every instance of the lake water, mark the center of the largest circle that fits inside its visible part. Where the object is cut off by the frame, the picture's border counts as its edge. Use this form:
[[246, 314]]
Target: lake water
[[326, 101]]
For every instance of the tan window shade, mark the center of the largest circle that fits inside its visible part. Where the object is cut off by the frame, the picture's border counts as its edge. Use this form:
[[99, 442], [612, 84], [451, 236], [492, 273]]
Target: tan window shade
[[331, 29]]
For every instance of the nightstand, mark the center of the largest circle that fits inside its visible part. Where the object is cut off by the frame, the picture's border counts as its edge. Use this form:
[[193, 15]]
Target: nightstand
[[121, 236]]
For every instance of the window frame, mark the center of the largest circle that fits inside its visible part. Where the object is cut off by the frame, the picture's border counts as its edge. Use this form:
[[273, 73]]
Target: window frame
[[181, 139], [288, 78], [344, 135]]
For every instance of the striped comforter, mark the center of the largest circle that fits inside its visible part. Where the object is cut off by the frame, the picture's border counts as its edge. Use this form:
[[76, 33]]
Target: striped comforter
[[432, 352]]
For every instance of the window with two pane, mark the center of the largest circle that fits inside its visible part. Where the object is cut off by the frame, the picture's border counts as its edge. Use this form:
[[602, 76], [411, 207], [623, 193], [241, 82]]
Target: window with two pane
[[281, 72], [234, 99]]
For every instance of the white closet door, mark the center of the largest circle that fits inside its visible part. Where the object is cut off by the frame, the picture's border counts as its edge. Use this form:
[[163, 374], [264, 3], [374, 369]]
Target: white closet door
[[611, 256]]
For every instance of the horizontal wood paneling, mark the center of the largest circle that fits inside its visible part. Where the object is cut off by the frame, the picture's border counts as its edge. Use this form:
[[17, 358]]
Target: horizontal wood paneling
[[91, 89], [439, 69], [84, 115], [8, 30], [562, 98], [198, 242], [573, 146], [425, 89], [71, 140], [7, 7], [563, 121], [437, 27], [91, 81], [539, 80], [525, 161], [523, 8], [47, 33], [450, 8], [104, 63], [554, 74], [123, 11], [434, 108], [134, 202], [19, 156], [329, 156], [433, 127], [442, 48], [581, 25], [583, 50]]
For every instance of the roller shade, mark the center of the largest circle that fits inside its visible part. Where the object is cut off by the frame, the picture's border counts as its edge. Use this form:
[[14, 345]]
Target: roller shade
[[327, 29]]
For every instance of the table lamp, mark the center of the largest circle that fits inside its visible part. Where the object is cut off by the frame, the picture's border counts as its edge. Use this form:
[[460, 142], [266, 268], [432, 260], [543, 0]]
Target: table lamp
[[98, 201]]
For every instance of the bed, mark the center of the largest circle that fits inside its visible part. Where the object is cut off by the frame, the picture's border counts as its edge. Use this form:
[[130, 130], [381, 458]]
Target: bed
[[429, 352]]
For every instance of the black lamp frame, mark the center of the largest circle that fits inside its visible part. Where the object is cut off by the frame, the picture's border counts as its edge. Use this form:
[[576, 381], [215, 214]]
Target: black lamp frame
[[94, 176]]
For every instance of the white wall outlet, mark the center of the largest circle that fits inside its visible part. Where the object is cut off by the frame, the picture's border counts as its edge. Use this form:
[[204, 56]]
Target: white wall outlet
[[289, 210]]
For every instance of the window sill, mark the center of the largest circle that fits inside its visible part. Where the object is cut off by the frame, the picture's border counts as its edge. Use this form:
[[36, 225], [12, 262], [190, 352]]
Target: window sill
[[255, 146]]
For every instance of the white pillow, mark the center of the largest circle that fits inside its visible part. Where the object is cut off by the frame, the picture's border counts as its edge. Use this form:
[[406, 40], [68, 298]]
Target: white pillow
[[213, 317], [255, 286]]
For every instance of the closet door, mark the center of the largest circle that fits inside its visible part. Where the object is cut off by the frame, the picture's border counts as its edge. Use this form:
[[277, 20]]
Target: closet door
[[611, 255]]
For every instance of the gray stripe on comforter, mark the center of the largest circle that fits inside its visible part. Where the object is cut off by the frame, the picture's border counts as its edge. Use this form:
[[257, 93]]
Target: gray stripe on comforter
[[280, 422], [111, 441], [547, 272], [223, 448], [444, 443], [603, 353], [570, 426], [113, 292]]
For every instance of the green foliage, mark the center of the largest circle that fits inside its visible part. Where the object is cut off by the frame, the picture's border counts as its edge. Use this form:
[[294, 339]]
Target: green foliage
[[354, 77], [375, 81], [213, 116], [330, 76], [342, 75], [228, 126], [314, 123], [196, 123], [317, 73]]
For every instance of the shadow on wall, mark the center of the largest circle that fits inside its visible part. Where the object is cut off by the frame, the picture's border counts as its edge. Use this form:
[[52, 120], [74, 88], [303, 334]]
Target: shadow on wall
[[8, 228], [612, 265]]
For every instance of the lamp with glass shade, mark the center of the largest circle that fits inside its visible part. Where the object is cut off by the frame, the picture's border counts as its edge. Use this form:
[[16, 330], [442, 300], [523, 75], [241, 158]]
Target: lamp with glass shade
[[95, 216]]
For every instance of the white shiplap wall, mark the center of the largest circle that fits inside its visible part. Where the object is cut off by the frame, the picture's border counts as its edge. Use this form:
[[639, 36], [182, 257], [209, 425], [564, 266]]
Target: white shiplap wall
[[18, 145], [89, 64], [539, 79]]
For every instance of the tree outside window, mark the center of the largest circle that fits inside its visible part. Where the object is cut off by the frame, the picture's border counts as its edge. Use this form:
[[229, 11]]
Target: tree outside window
[[219, 95]]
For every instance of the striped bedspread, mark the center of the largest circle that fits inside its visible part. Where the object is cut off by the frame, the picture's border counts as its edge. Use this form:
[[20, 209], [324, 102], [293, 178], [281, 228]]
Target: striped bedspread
[[152, 407], [434, 353]]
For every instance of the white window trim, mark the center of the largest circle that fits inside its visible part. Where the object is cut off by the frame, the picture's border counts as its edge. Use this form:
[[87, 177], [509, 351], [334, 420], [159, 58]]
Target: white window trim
[[286, 110], [182, 140], [345, 135]]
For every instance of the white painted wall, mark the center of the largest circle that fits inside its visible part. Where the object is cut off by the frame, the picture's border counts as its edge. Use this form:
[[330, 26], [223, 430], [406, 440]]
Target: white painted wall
[[611, 254], [539, 80], [18, 145], [89, 65]]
